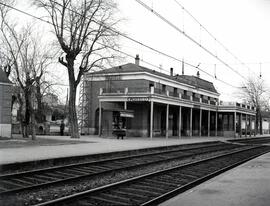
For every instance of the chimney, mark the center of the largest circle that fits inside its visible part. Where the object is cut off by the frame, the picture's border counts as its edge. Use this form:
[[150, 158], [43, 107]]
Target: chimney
[[137, 60], [198, 74], [171, 71], [183, 67]]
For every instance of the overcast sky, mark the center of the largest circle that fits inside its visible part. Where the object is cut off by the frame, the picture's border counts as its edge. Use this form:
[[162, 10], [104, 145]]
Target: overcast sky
[[242, 26]]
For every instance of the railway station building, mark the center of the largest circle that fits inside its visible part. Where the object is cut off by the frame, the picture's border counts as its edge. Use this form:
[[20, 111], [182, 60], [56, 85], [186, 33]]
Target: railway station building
[[148, 103]]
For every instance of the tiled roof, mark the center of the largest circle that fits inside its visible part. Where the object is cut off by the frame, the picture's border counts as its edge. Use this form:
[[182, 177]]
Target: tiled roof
[[190, 80], [200, 83], [3, 77]]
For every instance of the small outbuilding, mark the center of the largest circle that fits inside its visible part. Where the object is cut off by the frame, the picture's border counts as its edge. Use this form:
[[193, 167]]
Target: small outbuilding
[[5, 105]]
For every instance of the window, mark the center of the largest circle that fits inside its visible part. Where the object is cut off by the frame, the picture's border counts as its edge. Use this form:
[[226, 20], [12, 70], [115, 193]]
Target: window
[[163, 87], [174, 90]]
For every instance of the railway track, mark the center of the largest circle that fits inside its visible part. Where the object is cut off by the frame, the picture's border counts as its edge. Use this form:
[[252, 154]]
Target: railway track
[[255, 140], [156, 187], [62, 161], [12, 183]]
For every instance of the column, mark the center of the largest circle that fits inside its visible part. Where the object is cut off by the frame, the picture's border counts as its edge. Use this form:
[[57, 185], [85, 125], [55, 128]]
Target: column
[[151, 118], [179, 121], [125, 105], [268, 126], [167, 121], [208, 125], [216, 124], [99, 119], [234, 123], [200, 123], [255, 127], [190, 122], [240, 123], [246, 127], [250, 128]]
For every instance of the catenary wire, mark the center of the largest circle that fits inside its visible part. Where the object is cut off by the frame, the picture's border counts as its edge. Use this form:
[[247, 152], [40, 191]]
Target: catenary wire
[[117, 50], [151, 48], [187, 36], [210, 34]]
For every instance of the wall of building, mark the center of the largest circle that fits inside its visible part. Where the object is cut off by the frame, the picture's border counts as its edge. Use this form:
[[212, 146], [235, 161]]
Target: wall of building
[[5, 110], [92, 89]]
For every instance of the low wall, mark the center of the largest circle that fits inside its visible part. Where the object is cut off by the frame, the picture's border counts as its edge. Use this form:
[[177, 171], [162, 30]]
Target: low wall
[[5, 130]]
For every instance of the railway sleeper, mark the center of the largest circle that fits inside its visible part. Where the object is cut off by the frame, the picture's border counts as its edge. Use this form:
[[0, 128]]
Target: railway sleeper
[[148, 187], [130, 194], [21, 181], [141, 191], [34, 180], [104, 202]]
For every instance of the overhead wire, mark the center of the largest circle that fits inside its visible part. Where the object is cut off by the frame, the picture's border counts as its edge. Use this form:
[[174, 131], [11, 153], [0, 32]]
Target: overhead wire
[[142, 44], [151, 48], [117, 50], [210, 34], [188, 36]]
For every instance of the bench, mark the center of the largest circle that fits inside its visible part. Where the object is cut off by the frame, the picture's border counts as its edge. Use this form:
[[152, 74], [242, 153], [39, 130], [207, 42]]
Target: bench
[[119, 133]]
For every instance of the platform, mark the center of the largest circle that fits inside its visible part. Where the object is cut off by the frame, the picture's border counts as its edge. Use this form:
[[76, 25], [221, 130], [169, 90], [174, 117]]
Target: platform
[[245, 185], [90, 145]]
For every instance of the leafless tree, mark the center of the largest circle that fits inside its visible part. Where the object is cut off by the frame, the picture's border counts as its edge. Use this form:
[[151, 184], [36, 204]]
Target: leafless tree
[[30, 60], [84, 31], [255, 92], [6, 60]]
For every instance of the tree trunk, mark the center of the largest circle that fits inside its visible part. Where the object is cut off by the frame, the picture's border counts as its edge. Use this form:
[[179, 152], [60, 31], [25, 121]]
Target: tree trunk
[[260, 118], [21, 116], [33, 126], [40, 117], [257, 121], [26, 114], [29, 114], [73, 121]]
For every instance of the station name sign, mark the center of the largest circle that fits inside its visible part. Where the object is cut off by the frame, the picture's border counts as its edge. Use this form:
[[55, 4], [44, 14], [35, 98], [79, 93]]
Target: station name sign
[[138, 99], [113, 77]]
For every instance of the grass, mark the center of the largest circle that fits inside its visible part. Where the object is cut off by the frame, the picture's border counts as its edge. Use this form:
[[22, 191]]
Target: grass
[[18, 142]]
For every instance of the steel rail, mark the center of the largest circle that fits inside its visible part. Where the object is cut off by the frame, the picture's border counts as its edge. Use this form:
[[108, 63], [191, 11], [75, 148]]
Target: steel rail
[[171, 193], [160, 159]]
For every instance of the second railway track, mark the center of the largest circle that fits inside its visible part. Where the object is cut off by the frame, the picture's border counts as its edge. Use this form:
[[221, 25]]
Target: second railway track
[[13, 183], [156, 187]]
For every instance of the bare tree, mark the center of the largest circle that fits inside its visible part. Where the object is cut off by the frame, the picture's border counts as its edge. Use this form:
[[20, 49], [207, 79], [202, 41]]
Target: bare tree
[[255, 92], [29, 63], [83, 30], [6, 60]]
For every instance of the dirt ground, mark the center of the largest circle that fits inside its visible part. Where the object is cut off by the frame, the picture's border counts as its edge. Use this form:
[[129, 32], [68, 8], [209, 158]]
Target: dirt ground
[[17, 141]]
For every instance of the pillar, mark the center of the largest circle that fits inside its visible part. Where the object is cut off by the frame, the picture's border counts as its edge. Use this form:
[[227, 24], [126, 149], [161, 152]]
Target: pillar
[[255, 127], [208, 125], [234, 120], [216, 124], [125, 105], [240, 125], [250, 128], [246, 126], [151, 118], [99, 120], [167, 121], [179, 121], [190, 122], [200, 123]]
